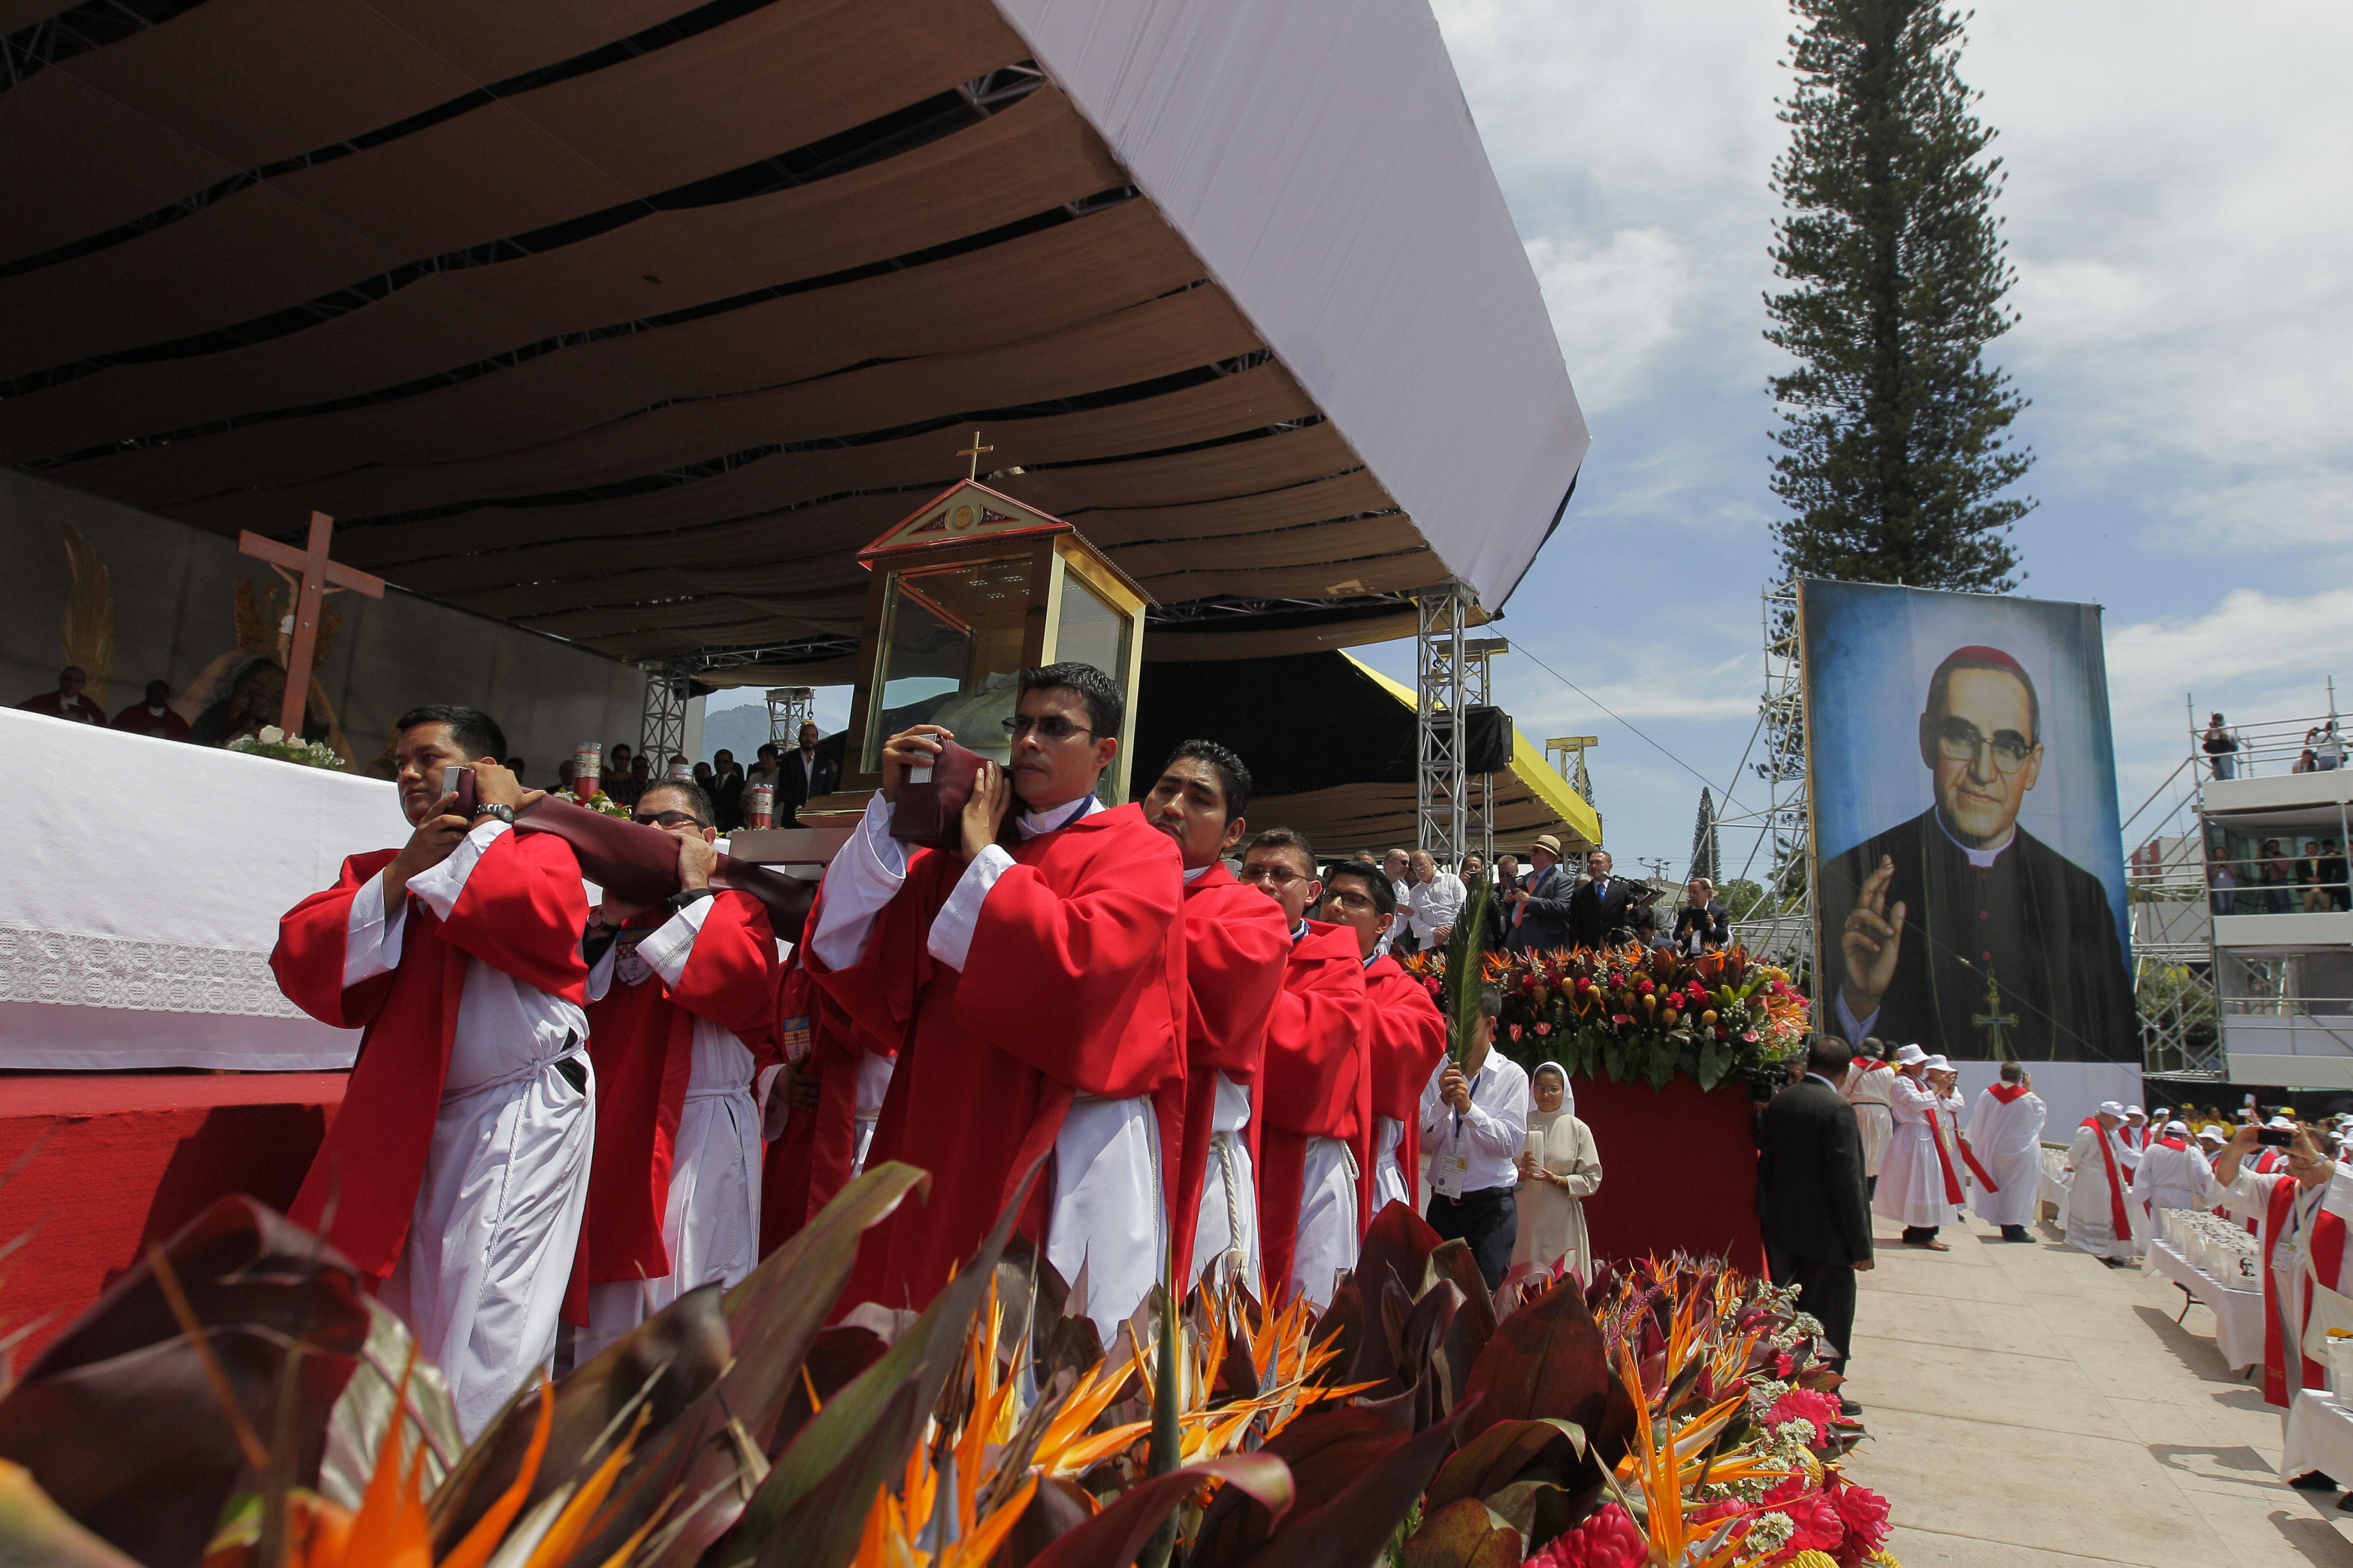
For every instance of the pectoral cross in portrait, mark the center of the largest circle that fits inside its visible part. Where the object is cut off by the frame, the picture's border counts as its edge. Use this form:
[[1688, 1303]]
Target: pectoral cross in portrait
[[1996, 1023], [311, 577], [974, 452]]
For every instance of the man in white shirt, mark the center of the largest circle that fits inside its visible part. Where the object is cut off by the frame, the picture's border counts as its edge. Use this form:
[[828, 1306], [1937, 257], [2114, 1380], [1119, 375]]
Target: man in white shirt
[[1397, 865], [1474, 1121], [1435, 898]]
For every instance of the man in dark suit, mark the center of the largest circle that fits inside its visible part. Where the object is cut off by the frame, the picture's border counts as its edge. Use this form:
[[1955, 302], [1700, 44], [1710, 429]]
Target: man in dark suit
[[804, 776], [1597, 910], [1958, 929], [1810, 1192], [1538, 915]]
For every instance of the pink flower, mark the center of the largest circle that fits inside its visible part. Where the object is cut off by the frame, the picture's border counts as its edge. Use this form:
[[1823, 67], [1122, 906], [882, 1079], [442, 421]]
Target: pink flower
[[1611, 1538], [1620, 1019], [1750, 1035], [1544, 1028], [1820, 1526], [1805, 1404], [1864, 1512]]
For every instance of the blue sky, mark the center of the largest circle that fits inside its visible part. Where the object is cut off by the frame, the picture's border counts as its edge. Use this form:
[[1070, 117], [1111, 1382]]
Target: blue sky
[[2179, 210]]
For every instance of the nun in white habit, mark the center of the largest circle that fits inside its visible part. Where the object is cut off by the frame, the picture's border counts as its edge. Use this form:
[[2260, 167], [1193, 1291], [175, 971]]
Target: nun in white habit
[[1558, 1170]]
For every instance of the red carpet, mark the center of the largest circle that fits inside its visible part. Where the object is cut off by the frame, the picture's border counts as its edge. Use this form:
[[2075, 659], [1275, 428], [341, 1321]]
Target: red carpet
[[1678, 1170], [112, 1165]]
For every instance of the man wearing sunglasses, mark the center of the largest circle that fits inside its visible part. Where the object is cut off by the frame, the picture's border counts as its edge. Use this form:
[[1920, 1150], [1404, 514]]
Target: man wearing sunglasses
[[1037, 976], [681, 997], [1960, 929], [1314, 1085], [1405, 1036]]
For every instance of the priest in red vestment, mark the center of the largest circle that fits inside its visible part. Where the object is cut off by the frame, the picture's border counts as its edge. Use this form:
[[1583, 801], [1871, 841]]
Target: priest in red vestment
[[1404, 1034], [1236, 948], [2303, 1211], [681, 1019], [1036, 977], [457, 1169], [1316, 1088]]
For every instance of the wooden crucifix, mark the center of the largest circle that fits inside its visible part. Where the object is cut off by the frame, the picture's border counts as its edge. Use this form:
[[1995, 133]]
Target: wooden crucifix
[[313, 577]]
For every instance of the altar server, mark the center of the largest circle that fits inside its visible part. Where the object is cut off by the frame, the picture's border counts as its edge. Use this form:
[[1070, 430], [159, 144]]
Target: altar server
[[681, 1018], [814, 1117], [1474, 1120], [1040, 990], [2172, 1175], [2303, 1211], [2132, 1138], [457, 1169], [1237, 944], [2099, 1217], [1869, 1088], [2006, 1132], [1405, 1036], [1317, 1083], [1911, 1186]]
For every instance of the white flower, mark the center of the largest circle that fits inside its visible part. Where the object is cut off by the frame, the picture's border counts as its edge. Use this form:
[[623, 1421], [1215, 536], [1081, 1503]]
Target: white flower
[[272, 735], [1769, 1533]]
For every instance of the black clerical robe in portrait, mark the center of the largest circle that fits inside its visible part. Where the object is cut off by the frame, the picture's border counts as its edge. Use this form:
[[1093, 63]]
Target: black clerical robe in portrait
[[2020, 959]]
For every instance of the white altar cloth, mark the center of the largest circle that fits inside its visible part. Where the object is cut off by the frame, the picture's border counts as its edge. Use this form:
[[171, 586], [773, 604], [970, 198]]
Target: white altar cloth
[[2238, 1314], [2319, 1436], [140, 884]]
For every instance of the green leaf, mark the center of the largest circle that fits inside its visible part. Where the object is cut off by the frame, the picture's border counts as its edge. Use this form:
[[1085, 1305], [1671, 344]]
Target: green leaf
[[1464, 1533], [36, 1534], [1461, 988], [357, 1426]]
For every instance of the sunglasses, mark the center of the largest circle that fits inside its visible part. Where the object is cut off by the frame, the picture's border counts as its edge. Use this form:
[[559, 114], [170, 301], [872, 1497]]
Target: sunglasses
[[1268, 872], [1052, 727], [670, 819]]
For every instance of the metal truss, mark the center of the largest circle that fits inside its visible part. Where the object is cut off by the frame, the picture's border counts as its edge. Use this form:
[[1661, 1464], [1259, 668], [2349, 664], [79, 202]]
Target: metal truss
[[789, 707], [1441, 797], [1781, 926], [669, 683], [1477, 689]]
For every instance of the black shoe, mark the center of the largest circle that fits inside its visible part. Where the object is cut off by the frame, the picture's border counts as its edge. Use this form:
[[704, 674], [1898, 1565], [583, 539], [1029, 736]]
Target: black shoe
[[1848, 1407], [2015, 1233], [2313, 1481]]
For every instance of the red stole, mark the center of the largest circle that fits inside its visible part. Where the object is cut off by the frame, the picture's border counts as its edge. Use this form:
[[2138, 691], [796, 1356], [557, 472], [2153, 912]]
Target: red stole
[[1953, 1193], [1236, 947], [2009, 1093], [520, 913], [2324, 1251], [1407, 1036], [1074, 984], [2118, 1215], [1312, 1084], [2176, 1144], [641, 1039], [803, 1169]]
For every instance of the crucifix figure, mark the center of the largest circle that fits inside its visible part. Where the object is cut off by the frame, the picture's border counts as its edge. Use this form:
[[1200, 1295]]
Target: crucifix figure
[[1996, 1023], [974, 452], [313, 577]]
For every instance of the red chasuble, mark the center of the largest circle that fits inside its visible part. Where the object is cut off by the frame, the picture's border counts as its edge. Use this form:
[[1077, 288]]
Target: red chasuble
[[2324, 1251], [641, 1039], [1074, 984], [810, 1164], [520, 913], [1312, 1084], [1235, 952], [1408, 1036]]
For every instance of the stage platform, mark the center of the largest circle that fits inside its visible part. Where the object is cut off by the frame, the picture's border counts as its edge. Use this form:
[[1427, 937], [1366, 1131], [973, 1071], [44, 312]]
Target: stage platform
[[102, 1165]]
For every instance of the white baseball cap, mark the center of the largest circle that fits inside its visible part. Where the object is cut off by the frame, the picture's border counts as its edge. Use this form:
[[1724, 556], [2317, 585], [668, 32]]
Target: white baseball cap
[[2110, 1108], [1906, 1055]]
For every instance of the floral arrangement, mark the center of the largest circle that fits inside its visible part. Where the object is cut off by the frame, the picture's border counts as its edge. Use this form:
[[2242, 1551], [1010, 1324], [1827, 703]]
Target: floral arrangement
[[270, 741], [1634, 1012], [1672, 1415], [600, 801]]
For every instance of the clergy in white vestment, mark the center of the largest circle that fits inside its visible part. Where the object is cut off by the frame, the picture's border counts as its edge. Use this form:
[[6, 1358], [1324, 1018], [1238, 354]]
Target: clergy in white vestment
[[2006, 1132], [2132, 1138], [1911, 1186], [456, 1171], [2173, 1175], [2304, 1211], [2099, 1214], [1870, 1090]]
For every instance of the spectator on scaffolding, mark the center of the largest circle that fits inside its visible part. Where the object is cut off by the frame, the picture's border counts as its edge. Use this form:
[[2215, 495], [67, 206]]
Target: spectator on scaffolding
[[2222, 748], [2331, 748], [2226, 888], [2330, 873], [2307, 761], [2273, 867]]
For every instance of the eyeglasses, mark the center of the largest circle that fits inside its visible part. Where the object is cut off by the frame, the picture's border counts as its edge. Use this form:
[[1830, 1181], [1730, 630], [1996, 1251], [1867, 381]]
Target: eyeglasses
[[1052, 727], [1349, 899], [1961, 741], [1267, 871], [669, 819]]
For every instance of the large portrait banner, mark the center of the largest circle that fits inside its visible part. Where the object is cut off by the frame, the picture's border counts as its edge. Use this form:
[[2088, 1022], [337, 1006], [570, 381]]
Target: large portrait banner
[[1968, 859]]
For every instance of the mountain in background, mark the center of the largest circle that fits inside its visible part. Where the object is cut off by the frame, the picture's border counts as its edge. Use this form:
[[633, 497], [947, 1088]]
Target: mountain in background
[[742, 731]]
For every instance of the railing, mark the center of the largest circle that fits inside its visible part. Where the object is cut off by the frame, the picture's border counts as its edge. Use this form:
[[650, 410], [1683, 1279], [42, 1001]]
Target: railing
[[2313, 744]]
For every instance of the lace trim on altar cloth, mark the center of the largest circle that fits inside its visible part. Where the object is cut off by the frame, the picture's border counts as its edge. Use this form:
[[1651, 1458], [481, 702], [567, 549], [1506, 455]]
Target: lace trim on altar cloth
[[67, 969]]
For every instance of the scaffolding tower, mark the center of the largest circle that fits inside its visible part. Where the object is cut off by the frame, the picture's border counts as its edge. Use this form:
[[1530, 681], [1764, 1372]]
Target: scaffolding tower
[[1477, 693], [1441, 803], [789, 707], [669, 683], [1780, 926]]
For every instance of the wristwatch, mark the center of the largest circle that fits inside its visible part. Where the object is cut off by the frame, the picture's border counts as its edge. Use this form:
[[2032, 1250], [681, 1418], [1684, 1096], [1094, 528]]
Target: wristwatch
[[503, 813], [686, 896]]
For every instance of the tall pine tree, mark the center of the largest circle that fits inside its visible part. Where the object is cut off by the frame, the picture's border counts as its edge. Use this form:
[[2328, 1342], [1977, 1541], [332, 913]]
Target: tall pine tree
[[1894, 430]]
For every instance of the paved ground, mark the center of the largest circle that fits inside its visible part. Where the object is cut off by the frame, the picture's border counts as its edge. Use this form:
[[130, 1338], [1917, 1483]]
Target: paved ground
[[2030, 1408]]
